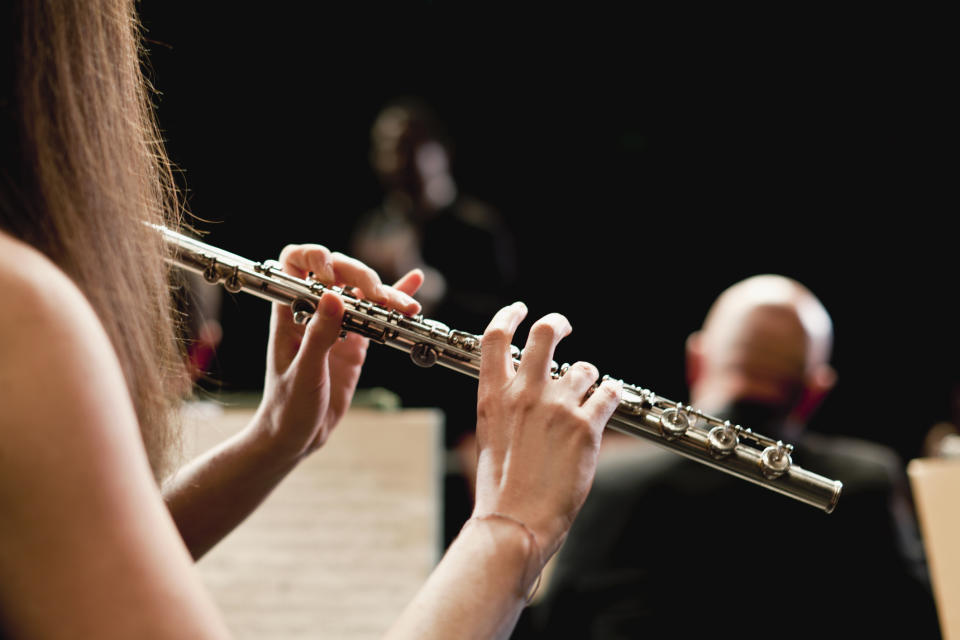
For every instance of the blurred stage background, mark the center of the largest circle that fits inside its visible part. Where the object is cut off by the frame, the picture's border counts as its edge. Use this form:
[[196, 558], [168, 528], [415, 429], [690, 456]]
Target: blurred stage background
[[640, 179]]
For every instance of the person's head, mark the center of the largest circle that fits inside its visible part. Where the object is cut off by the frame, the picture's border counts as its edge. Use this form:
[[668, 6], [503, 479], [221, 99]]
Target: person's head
[[411, 154], [766, 341], [82, 167]]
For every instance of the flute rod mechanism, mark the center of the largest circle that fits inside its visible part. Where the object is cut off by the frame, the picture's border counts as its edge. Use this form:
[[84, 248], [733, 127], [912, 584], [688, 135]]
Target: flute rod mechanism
[[642, 413]]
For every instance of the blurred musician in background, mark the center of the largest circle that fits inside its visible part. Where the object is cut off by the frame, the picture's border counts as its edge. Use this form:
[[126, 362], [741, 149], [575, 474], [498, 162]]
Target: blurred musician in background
[[467, 253], [426, 222], [669, 548]]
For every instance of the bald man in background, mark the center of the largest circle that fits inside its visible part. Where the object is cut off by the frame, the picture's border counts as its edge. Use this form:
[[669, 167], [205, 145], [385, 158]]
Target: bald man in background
[[666, 547]]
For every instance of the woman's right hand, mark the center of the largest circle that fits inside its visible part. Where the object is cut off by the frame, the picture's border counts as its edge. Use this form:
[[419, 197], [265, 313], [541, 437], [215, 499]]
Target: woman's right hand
[[538, 438]]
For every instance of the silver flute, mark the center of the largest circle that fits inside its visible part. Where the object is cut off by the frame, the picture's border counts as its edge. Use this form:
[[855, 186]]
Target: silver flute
[[680, 428]]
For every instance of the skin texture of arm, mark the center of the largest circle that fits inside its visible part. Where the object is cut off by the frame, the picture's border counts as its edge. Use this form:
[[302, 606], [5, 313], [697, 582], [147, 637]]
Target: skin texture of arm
[[311, 377], [87, 547]]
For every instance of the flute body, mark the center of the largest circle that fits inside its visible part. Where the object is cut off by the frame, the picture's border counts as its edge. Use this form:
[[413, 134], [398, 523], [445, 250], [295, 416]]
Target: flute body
[[642, 413]]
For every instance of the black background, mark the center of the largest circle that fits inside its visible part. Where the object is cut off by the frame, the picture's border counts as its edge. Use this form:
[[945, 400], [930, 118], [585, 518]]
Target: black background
[[644, 164]]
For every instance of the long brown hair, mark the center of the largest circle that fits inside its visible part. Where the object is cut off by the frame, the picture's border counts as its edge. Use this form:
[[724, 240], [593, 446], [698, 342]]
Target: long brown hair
[[85, 169]]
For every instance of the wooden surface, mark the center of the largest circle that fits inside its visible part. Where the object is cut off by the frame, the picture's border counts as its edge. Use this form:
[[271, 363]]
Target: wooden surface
[[345, 541], [936, 488]]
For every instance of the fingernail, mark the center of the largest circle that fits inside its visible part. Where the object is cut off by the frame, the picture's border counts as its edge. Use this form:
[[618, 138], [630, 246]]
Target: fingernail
[[519, 305]]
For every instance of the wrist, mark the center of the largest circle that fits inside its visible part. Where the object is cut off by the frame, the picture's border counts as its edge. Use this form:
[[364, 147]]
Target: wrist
[[269, 445], [516, 542], [546, 522]]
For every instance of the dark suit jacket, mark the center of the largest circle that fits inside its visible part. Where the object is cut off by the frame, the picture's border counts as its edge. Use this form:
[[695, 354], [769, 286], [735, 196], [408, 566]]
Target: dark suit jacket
[[668, 548]]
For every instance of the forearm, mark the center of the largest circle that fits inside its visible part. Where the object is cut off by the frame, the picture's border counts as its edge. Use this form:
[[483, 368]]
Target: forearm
[[216, 491], [479, 588]]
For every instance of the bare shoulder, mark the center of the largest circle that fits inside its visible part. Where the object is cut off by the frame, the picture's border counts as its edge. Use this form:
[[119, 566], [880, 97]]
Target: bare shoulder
[[33, 288], [50, 337], [57, 363], [57, 366], [79, 503]]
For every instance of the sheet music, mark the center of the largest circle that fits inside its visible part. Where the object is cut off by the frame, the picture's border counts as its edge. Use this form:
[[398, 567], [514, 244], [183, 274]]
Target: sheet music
[[344, 542], [935, 483]]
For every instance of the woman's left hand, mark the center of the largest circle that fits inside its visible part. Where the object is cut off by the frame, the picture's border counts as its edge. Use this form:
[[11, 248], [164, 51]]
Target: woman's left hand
[[311, 372]]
